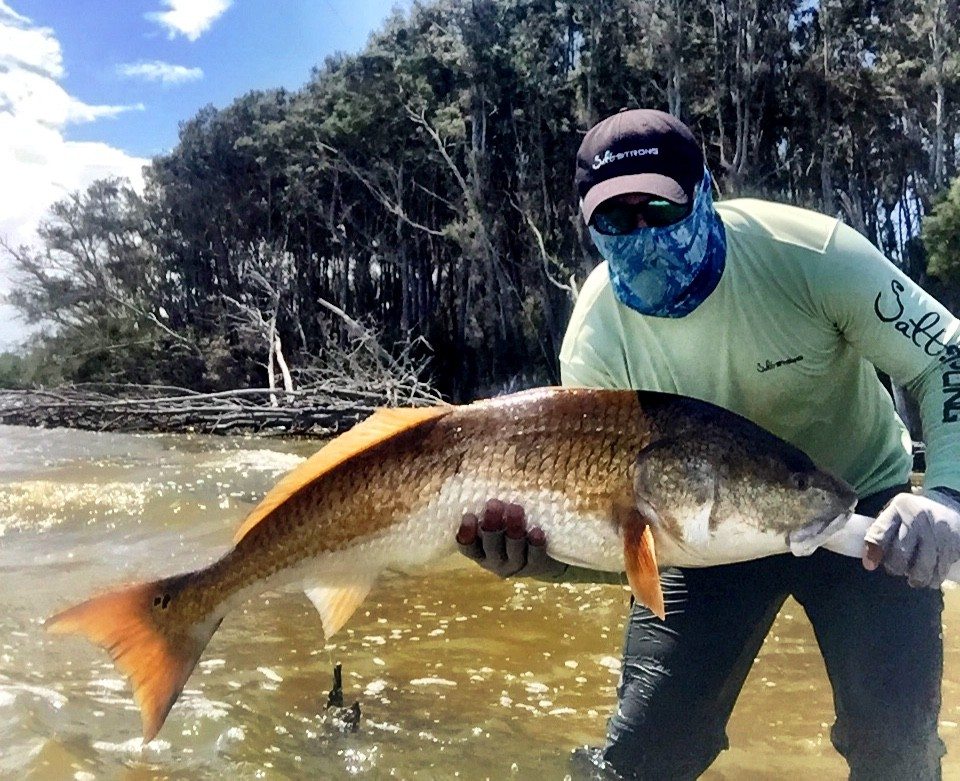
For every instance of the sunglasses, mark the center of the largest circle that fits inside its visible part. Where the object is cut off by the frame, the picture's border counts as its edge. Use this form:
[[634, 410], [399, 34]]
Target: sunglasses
[[616, 218]]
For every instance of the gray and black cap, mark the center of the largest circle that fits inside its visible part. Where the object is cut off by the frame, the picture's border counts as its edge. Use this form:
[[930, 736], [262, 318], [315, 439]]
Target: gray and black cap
[[637, 151]]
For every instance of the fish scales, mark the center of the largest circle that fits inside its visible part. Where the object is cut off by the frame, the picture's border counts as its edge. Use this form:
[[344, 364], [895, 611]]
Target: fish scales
[[517, 448], [528, 448], [616, 479], [710, 467]]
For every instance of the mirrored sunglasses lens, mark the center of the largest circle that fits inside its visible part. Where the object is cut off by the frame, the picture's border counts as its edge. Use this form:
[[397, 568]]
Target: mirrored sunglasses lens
[[615, 219], [661, 213]]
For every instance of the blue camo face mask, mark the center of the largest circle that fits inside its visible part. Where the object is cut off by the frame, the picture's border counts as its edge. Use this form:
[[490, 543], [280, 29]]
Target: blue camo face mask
[[669, 271]]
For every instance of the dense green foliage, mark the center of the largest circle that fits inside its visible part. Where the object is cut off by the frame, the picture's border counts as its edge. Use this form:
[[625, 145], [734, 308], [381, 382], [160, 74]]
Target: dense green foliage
[[941, 236], [425, 185]]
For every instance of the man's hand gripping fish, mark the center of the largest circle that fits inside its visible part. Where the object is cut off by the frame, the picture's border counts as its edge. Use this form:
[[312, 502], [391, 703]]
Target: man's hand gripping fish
[[618, 480]]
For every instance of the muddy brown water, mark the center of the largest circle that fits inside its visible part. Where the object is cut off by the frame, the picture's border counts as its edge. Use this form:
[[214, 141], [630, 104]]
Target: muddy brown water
[[458, 675]]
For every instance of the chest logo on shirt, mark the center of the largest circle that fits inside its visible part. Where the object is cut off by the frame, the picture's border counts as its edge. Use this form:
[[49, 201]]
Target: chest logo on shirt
[[767, 365]]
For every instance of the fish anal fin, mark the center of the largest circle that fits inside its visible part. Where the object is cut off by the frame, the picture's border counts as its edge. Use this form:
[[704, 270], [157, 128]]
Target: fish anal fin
[[640, 557], [157, 663], [336, 603], [380, 426]]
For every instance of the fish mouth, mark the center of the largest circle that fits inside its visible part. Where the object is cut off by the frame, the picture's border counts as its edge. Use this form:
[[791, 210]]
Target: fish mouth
[[808, 538]]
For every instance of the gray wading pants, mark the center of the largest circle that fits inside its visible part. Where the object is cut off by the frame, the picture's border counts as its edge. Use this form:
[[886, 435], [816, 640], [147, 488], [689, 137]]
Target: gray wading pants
[[881, 643]]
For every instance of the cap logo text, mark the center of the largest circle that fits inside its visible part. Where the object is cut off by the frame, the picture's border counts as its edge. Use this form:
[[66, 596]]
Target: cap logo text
[[609, 157]]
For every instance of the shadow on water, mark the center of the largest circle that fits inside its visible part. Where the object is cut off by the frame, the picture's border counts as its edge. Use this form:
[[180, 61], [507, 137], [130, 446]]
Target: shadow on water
[[458, 675]]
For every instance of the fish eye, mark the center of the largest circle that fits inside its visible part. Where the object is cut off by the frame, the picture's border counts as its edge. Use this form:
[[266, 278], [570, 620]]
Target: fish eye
[[799, 481]]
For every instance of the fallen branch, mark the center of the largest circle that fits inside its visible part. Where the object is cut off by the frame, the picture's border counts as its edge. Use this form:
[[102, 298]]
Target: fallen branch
[[344, 385], [317, 409]]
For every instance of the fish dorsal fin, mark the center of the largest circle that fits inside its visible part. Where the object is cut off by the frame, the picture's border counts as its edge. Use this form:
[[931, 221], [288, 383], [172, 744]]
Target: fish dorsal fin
[[639, 556], [380, 426], [337, 603]]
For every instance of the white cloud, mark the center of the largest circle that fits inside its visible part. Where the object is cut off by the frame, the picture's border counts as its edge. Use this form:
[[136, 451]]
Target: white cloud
[[157, 70], [190, 18], [6, 10], [39, 165], [36, 98], [34, 49]]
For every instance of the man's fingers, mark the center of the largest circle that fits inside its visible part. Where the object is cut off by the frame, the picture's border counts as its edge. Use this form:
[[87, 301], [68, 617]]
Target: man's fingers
[[924, 568], [902, 553], [516, 555], [468, 538], [491, 519], [515, 522], [516, 537], [494, 548], [943, 570], [502, 544], [916, 535], [878, 539], [467, 533], [537, 560], [491, 532], [872, 556]]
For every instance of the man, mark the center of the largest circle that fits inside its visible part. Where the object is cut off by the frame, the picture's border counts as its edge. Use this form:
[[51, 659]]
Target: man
[[782, 315]]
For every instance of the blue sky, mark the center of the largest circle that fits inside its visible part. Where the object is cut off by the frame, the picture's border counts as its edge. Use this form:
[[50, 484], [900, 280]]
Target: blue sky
[[92, 88], [252, 44]]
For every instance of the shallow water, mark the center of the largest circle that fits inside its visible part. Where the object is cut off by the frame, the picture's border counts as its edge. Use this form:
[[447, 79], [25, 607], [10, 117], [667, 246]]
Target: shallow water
[[458, 675]]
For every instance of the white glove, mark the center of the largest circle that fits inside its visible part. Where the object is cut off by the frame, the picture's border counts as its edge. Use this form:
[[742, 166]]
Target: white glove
[[917, 535]]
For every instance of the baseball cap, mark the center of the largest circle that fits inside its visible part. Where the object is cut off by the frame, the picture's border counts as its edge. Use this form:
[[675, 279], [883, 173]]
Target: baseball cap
[[637, 151]]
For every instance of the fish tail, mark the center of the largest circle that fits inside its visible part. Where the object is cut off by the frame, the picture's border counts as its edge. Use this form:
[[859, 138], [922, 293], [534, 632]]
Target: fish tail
[[157, 656]]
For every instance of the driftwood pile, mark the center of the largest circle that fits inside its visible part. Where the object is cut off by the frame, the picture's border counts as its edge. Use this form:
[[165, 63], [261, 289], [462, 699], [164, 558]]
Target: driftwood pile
[[314, 409], [352, 380]]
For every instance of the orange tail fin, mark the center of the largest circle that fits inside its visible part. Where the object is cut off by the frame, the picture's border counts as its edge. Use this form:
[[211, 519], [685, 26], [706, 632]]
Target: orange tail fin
[[156, 658]]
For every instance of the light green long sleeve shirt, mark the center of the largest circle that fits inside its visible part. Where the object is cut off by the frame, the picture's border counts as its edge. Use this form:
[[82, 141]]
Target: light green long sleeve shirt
[[804, 311]]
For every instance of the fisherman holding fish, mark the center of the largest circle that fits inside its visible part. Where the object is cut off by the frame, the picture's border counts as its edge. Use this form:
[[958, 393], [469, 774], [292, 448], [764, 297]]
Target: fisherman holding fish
[[727, 360], [784, 316]]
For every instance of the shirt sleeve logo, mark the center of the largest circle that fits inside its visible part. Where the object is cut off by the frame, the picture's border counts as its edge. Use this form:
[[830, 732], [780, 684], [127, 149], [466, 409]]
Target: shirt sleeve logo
[[924, 331]]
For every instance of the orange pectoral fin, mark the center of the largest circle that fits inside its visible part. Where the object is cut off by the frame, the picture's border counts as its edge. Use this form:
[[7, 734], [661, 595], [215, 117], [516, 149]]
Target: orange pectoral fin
[[640, 558]]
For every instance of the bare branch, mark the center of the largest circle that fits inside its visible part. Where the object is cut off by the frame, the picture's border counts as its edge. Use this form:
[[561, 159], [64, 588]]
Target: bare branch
[[571, 288], [392, 206]]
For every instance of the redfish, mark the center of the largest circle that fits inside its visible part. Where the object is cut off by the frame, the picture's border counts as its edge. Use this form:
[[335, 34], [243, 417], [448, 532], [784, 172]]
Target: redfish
[[618, 480]]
